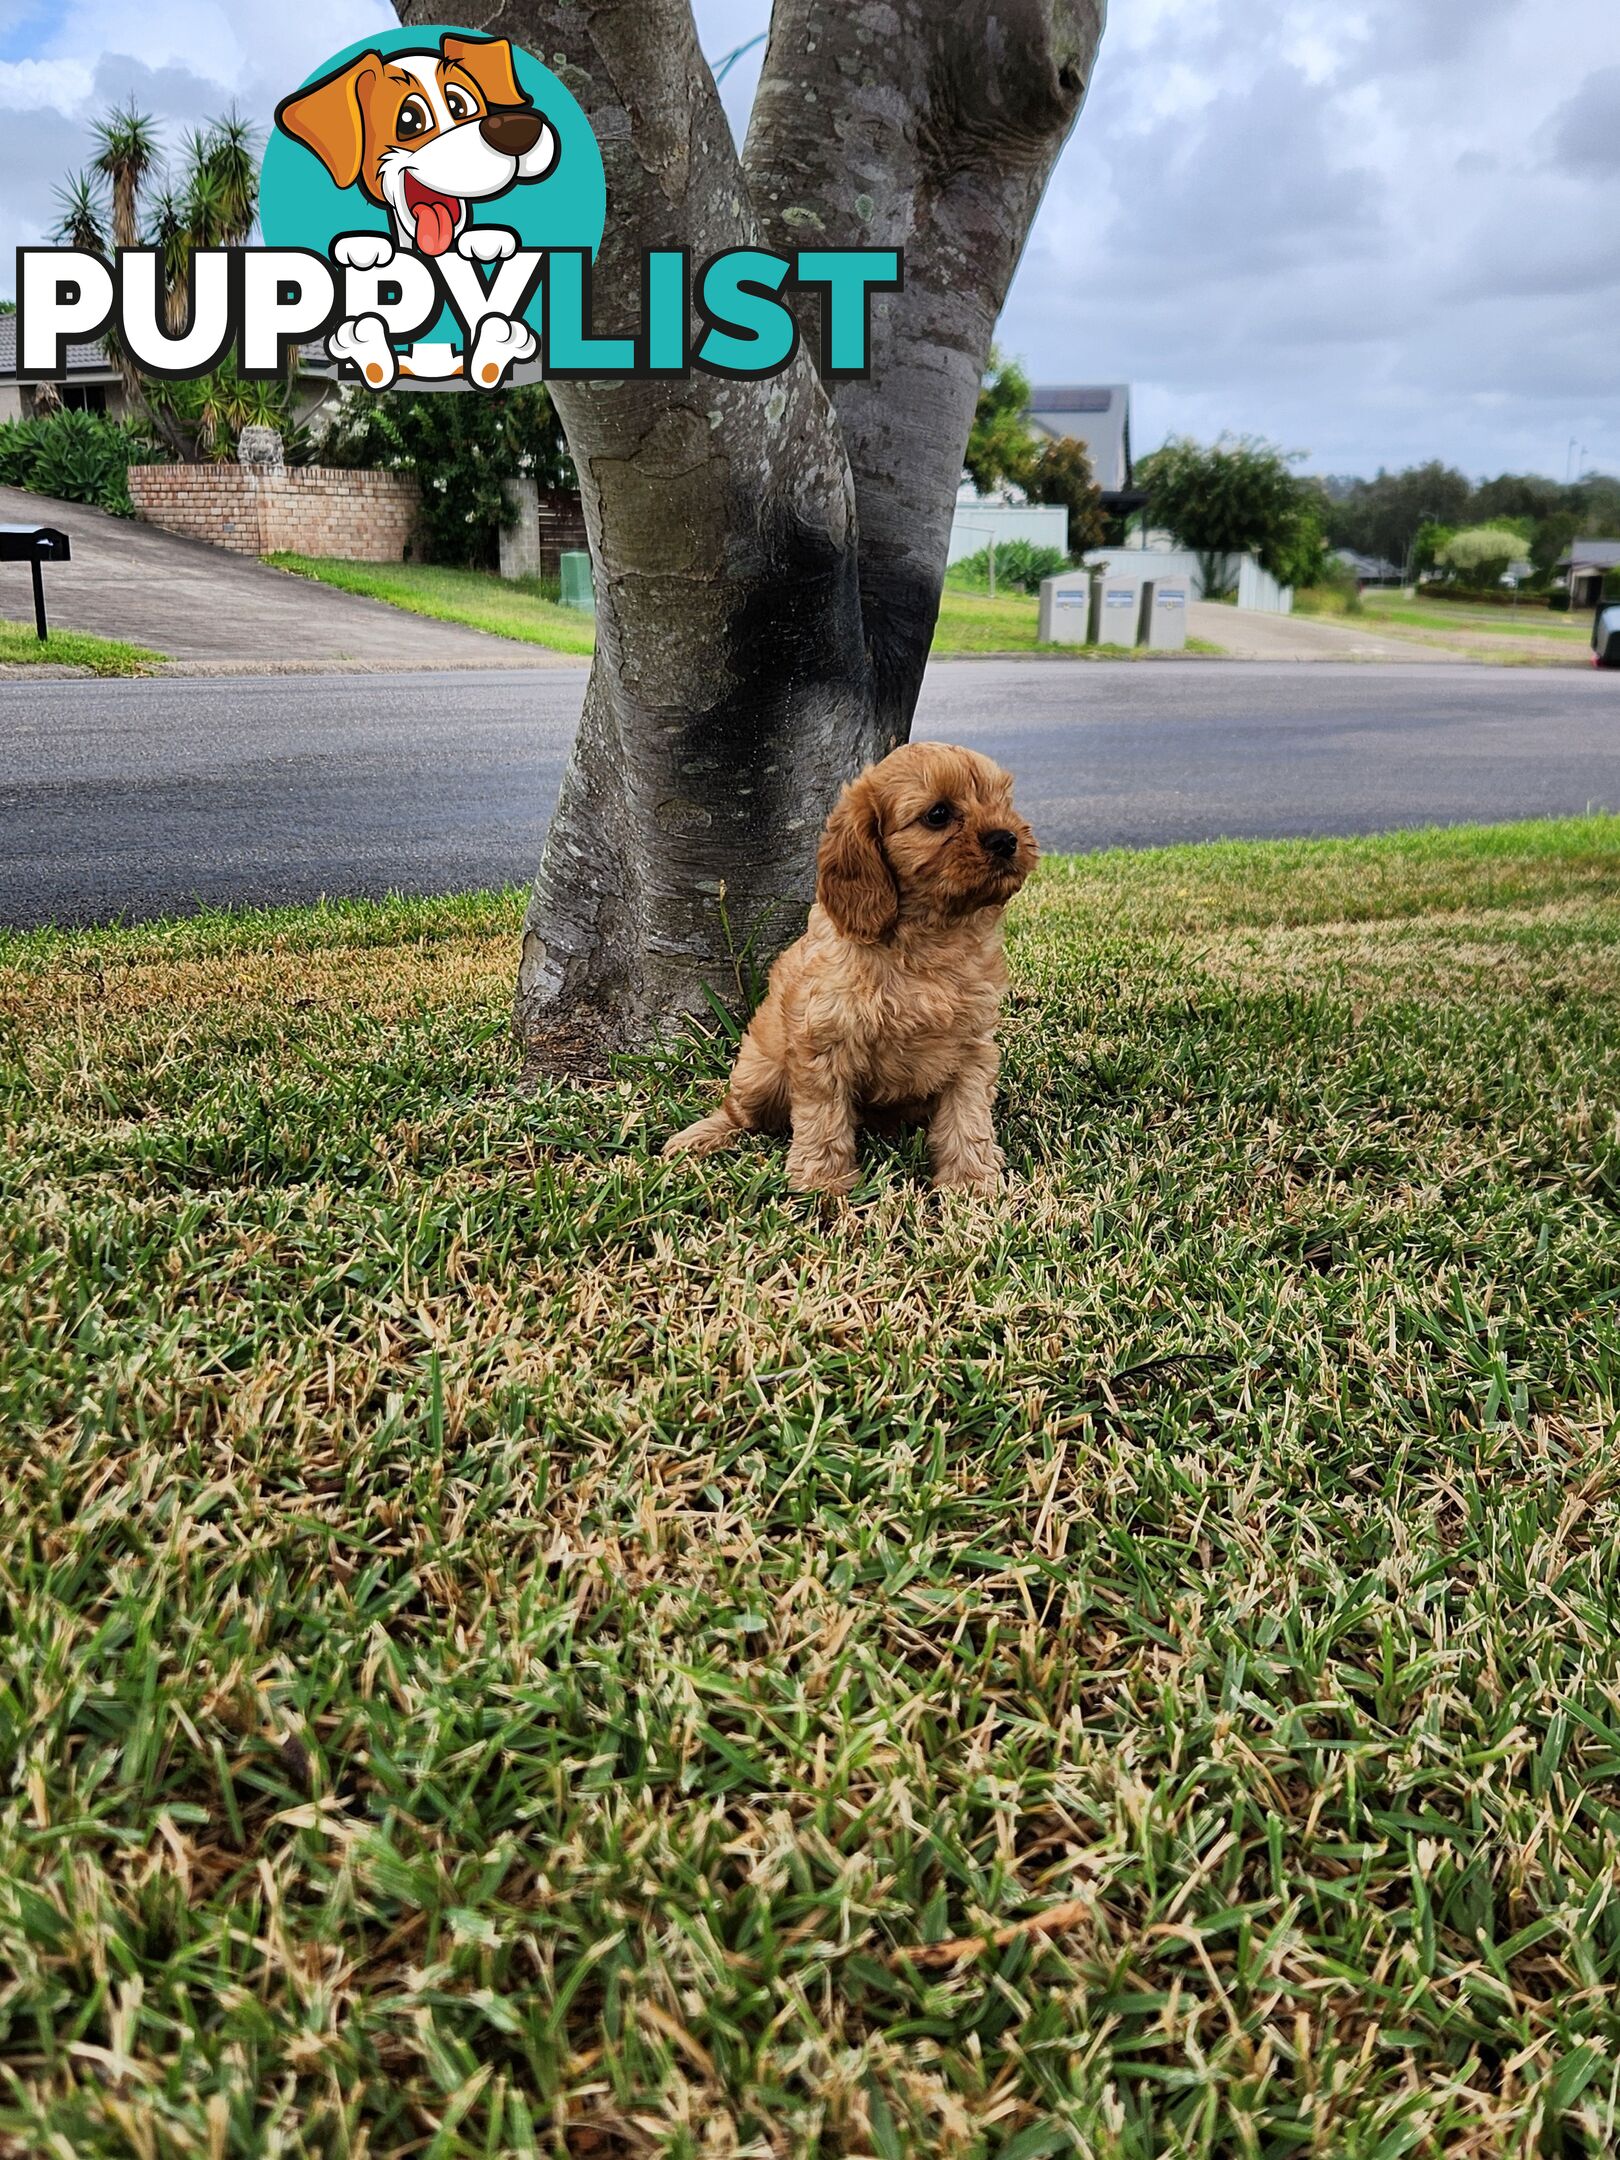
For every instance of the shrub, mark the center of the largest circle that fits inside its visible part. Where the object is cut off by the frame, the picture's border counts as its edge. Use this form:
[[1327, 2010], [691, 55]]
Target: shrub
[[1480, 554], [1020, 566], [75, 456], [461, 448]]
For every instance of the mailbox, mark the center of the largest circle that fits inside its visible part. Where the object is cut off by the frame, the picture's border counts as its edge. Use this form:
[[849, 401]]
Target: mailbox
[[1164, 615], [1065, 610], [1117, 612], [35, 544]]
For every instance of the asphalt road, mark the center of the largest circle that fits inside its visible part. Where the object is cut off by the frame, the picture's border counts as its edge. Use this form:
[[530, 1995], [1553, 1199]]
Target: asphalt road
[[150, 797]]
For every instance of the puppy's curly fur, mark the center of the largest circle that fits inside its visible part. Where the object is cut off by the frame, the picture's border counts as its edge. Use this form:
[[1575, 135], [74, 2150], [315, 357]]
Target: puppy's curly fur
[[884, 1012]]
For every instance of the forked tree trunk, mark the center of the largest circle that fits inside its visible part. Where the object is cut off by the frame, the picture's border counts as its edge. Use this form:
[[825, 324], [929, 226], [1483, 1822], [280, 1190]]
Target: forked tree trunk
[[768, 556]]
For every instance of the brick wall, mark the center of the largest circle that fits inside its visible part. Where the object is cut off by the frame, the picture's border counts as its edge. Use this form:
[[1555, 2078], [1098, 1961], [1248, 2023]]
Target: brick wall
[[307, 510]]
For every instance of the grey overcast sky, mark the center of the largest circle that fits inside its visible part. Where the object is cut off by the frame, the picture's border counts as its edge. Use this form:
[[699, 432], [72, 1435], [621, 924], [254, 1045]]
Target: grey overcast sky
[[1373, 230]]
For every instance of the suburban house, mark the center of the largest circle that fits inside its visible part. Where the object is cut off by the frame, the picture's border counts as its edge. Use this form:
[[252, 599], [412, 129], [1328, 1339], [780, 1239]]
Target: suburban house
[[1369, 569], [92, 384], [1584, 569], [1099, 415]]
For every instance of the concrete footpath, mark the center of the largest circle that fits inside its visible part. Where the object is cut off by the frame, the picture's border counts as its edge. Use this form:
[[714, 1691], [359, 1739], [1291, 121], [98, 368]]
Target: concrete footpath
[[217, 612]]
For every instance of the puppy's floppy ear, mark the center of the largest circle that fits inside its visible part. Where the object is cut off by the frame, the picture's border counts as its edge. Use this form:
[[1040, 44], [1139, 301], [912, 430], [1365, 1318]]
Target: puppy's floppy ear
[[853, 880], [326, 117], [489, 62]]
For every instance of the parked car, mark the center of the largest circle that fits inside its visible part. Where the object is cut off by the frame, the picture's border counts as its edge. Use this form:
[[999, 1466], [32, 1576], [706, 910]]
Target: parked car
[[1606, 635]]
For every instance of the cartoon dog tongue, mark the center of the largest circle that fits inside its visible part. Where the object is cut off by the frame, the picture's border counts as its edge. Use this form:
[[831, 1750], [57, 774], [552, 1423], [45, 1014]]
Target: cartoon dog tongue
[[434, 215]]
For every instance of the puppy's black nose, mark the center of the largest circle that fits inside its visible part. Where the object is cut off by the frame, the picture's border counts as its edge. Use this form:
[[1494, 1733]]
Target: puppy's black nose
[[512, 133], [1002, 846]]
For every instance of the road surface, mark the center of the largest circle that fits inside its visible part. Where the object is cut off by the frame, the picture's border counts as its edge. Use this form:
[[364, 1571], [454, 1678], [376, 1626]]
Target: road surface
[[151, 797]]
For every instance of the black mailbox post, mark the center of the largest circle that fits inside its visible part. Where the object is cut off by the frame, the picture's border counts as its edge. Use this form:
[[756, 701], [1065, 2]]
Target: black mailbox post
[[35, 544]]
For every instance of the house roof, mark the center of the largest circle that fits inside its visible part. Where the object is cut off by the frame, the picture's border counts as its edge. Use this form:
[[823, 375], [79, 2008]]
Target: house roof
[[1591, 555], [87, 358], [1367, 566], [1097, 414]]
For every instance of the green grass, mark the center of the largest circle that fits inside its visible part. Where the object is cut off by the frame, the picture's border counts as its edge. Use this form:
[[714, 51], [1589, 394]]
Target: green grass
[[521, 608], [524, 609], [512, 1646], [19, 647], [1532, 620]]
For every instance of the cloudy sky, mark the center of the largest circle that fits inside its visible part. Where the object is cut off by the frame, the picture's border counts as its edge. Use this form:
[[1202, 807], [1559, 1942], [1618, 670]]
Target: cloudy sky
[[1373, 230]]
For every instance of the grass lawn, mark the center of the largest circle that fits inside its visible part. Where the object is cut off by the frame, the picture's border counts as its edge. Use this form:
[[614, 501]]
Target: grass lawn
[[513, 608], [516, 1647], [968, 622], [19, 647], [1528, 621]]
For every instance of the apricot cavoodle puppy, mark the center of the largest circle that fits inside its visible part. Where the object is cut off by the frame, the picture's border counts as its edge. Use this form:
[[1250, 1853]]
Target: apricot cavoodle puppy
[[884, 1012]]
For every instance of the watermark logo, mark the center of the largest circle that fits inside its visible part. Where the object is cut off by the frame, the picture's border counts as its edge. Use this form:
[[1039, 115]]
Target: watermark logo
[[431, 203]]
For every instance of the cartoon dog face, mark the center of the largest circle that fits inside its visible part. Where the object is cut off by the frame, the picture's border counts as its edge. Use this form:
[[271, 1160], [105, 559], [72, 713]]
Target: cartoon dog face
[[425, 133]]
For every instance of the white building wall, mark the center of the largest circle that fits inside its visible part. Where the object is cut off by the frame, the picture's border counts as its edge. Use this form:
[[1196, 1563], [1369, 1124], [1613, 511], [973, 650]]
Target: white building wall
[[975, 524]]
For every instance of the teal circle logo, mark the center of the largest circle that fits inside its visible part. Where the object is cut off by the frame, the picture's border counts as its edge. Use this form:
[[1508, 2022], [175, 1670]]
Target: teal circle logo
[[445, 144]]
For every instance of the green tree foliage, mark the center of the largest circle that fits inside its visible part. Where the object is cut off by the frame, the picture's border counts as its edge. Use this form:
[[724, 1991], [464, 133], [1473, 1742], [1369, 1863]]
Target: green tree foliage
[[1480, 554], [1379, 516], [1001, 446], [461, 448], [1238, 494], [1414, 510], [1061, 473]]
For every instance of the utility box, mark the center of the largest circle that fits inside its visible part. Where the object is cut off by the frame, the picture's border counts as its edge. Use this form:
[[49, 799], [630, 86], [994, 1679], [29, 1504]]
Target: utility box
[[1116, 609], [1065, 617], [577, 591], [1164, 616]]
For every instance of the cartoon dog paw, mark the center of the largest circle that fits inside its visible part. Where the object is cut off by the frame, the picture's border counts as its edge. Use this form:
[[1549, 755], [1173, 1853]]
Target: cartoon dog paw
[[363, 250], [500, 343], [365, 342], [487, 243]]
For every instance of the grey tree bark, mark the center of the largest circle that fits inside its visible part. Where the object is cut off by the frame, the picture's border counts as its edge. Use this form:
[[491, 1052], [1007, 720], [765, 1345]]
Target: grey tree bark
[[768, 556]]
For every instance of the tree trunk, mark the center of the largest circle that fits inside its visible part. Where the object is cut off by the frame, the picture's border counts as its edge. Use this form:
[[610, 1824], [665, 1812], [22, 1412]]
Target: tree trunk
[[768, 556]]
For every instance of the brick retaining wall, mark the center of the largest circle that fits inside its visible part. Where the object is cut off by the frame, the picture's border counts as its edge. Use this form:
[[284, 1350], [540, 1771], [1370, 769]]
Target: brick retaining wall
[[306, 510]]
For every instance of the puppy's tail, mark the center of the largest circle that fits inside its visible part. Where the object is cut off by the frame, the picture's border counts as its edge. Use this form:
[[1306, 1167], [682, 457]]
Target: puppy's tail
[[711, 1133]]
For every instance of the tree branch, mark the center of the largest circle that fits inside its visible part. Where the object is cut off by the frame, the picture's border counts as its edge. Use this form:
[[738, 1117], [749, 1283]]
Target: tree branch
[[932, 126]]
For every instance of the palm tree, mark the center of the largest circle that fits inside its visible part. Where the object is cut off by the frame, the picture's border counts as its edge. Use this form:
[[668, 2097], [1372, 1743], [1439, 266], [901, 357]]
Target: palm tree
[[128, 149], [208, 198], [83, 222]]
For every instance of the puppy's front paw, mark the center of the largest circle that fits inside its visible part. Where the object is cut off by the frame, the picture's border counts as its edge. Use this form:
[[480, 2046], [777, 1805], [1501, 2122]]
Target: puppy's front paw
[[816, 1171], [499, 345], [487, 243], [363, 250], [979, 1181], [365, 342], [970, 1169]]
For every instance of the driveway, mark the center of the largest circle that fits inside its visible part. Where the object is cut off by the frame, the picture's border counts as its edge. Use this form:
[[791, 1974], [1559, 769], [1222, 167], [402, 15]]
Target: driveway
[[145, 798], [1245, 634], [206, 606]]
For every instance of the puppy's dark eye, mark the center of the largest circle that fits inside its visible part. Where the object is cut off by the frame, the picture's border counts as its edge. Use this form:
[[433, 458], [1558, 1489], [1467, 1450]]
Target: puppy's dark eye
[[939, 817], [459, 105], [414, 119]]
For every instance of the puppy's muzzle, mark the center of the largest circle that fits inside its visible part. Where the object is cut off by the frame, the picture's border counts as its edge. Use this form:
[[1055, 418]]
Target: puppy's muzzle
[[512, 133], [1000, 846]]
